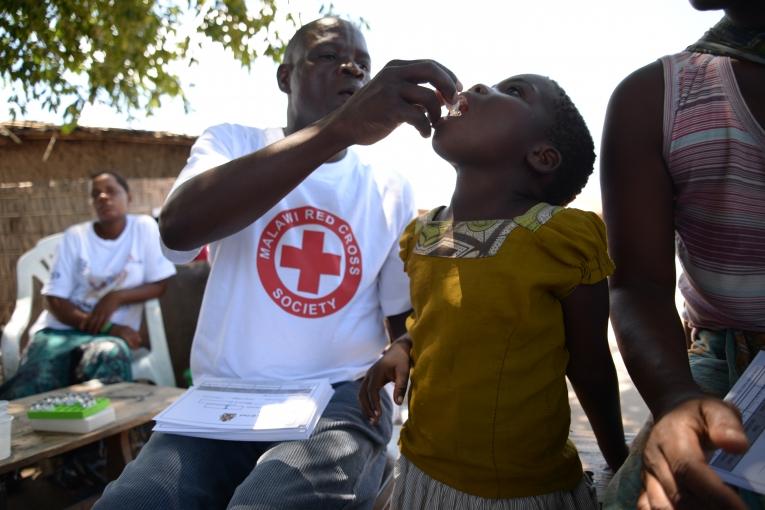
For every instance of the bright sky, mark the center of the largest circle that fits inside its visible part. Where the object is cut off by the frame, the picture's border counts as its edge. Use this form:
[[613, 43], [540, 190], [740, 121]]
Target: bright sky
[[587, 46]]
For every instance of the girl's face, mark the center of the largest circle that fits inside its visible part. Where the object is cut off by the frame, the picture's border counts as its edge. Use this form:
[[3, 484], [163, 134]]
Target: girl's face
[[110, 200], [498, 124]]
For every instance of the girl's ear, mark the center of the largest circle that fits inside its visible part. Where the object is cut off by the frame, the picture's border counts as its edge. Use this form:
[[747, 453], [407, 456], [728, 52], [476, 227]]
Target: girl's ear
[[543, 158], [283, 77]]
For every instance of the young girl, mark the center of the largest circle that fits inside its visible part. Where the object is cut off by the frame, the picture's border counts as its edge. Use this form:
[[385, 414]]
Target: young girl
[[509, 297]]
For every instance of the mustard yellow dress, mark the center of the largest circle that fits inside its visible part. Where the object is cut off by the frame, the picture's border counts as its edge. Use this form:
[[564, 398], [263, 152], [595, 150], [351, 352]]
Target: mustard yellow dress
[[489, 413]]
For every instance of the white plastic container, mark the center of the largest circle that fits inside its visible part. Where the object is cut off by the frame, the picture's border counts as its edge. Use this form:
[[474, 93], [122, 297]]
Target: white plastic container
[[5, 430]]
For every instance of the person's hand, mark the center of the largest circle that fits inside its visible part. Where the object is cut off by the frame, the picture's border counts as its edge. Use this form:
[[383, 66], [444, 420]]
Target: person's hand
[[675, 470], [128, 334], [395, 96], [393, 366], [101, 313]]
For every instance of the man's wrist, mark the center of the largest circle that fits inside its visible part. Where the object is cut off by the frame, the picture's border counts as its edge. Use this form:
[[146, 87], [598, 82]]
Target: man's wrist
[[335, 132]]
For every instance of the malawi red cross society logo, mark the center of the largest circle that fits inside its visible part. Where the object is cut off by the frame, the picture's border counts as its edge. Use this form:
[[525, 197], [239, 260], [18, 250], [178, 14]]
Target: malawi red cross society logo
[[309, 262]]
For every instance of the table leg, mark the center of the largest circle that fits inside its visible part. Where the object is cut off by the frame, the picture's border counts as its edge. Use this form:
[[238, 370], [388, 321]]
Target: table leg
[[118, 454]]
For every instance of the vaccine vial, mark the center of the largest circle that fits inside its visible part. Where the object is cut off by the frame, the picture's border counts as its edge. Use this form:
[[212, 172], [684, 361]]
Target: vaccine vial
[[454, 110]]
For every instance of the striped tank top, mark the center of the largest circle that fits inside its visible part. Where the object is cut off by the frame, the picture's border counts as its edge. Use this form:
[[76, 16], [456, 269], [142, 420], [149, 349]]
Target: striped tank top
[[715, 152]]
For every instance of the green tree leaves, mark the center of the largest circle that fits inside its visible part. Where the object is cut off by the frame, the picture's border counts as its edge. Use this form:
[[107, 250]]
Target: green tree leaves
[[67, 53]]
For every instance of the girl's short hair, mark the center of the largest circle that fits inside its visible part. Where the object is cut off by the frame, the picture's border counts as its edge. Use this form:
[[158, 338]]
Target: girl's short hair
[[569, 134]]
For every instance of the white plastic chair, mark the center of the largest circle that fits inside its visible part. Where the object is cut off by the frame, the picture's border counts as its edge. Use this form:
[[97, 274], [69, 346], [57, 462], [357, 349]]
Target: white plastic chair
[[154, 364]]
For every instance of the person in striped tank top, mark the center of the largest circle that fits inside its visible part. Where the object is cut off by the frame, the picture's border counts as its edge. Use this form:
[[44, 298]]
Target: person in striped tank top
[[683, 173]]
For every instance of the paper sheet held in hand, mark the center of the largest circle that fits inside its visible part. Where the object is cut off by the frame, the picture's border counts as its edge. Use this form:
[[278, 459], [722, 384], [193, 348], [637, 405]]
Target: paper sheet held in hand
[[748, 394]]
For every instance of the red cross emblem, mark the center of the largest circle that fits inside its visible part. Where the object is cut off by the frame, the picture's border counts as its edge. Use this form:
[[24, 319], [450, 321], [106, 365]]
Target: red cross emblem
[[311, 261], [327, 248]]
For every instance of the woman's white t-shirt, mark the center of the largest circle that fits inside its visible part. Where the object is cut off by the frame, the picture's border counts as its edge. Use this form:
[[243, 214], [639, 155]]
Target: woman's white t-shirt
[[87, 267]]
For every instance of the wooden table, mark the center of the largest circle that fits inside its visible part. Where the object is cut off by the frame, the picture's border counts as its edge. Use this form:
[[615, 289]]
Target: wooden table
[[134, 405]]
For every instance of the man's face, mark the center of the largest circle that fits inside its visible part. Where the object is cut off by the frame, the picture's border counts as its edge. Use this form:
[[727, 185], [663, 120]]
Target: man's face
[[325, 69]]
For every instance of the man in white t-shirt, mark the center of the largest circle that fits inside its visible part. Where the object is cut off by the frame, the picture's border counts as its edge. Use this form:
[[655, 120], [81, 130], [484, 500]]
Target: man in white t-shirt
[[304, 271]]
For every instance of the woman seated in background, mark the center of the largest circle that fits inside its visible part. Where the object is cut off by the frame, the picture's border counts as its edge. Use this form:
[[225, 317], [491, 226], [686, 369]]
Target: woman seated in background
[[102, 273]]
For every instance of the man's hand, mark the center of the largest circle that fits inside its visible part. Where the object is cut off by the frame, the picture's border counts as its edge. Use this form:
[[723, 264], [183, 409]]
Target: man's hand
[[101, 313], [395, 96], [675, 470], [128, 334], [393, 366]]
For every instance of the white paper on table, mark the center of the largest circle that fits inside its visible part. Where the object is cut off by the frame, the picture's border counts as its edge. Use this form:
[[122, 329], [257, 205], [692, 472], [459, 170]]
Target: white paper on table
[[233, 409], [748, 395]]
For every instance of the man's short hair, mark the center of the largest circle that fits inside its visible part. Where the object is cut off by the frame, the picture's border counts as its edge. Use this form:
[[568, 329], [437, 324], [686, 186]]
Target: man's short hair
[[299, 38]]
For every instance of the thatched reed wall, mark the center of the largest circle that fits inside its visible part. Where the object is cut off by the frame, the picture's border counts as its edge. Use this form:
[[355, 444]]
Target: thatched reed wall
[[39, 152], [44, 184]]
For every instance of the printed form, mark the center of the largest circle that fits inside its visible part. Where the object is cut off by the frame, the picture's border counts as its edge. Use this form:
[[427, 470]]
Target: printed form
[[237, 410]]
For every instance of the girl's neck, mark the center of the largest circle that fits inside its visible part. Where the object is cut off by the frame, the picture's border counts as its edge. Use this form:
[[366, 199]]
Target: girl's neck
[[110, 229], [478, 196]]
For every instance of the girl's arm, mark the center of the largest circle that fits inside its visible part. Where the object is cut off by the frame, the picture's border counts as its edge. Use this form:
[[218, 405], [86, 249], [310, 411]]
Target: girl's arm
[[396, 324], [591, 368], [104, 309], [394, 367]]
